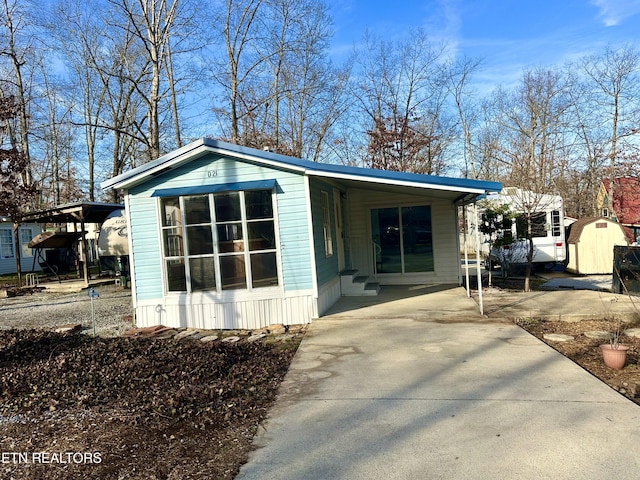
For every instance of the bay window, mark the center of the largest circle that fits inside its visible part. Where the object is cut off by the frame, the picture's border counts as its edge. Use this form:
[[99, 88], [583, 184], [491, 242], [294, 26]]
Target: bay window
[[219, 241]]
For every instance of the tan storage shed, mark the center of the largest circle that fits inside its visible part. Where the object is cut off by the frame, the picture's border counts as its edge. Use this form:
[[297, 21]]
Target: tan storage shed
[[590, 245]]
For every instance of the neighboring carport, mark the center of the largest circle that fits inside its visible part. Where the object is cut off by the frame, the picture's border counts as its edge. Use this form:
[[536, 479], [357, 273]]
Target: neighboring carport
[[78, 213]]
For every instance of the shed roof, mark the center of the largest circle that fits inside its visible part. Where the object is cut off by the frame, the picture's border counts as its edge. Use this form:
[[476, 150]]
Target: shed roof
[[578, 227], [466, 188]]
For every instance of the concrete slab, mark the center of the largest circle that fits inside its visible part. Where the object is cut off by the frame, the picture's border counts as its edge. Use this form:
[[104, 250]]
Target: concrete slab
[[445, 302], [567, 305], [402, 398], [566, 281]]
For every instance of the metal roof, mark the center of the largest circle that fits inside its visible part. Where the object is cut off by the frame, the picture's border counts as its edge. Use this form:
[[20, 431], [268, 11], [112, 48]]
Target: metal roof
[[89, 212], [341, 172]]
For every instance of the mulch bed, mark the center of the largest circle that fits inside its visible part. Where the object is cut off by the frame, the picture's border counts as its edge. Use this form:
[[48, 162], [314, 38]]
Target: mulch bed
[[586, 352], [74, 406]]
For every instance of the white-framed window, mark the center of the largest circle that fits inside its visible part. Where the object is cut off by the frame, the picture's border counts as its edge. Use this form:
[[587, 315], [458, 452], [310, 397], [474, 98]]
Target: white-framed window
[[219, 241], [26, 234], [326, 223], [6, 243]]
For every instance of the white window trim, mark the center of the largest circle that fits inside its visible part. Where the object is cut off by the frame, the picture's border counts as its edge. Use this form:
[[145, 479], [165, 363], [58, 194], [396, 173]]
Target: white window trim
[[11, 244], [325, 205], [218, 293], [25, 251]]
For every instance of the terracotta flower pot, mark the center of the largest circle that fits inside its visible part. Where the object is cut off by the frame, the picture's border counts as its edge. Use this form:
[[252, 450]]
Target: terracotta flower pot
[[614, 357]]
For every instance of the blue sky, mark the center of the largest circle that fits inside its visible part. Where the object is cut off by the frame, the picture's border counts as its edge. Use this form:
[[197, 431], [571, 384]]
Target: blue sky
[[508, 35]]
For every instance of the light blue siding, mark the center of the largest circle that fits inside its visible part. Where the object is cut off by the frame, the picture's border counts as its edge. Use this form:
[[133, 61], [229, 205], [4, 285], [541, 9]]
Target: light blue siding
[[209, 170], [147, 258], [326, 267], [8, 265]]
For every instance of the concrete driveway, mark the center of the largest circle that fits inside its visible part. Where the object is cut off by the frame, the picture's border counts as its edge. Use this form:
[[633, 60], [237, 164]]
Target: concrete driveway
[[409, 398]]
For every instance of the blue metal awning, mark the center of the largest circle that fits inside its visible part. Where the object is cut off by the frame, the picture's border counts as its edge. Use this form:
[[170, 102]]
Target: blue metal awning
[[215, 188]]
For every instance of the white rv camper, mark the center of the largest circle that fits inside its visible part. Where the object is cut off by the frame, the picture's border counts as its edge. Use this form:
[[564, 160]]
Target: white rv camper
[[113, 244], [547, 229]]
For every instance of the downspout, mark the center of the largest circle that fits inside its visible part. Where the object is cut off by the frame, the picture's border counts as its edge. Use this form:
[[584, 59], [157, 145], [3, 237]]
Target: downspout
[[478, 270]]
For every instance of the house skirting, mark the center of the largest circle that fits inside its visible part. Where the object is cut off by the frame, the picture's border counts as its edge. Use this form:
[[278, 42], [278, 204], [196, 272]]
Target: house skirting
[[199, 311], [328, 294]]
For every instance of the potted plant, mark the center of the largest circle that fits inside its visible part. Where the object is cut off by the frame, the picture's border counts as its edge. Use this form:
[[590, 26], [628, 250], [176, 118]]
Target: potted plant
[[614, 353]]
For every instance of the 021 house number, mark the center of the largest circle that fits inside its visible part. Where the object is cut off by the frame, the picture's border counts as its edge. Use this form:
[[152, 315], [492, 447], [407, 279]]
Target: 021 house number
[[212, 173]]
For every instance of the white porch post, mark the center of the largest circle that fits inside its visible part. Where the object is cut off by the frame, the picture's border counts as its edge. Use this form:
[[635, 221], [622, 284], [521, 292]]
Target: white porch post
[[478, 270], [464, 245]]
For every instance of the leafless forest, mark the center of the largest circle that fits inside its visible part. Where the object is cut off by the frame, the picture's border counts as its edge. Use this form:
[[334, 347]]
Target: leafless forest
[[91, 89]]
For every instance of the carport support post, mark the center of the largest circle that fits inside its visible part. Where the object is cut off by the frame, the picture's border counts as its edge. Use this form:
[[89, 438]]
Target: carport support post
[[18, 251], [464, 246], [478, 269]]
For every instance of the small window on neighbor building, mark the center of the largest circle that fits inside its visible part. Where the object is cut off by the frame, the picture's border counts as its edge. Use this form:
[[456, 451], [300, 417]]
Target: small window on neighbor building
[[6, 243], [605, 212], [26, 234]]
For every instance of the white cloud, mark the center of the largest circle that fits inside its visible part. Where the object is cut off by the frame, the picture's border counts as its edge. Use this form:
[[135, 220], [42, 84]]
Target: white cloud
[[614, 12], [443, 23]]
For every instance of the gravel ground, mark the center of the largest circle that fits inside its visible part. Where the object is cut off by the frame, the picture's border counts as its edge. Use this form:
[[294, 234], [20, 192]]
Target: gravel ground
[[45, 310]]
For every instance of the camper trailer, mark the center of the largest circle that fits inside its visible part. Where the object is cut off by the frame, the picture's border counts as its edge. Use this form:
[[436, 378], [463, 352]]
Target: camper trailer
[[113, 245], [547, 216]]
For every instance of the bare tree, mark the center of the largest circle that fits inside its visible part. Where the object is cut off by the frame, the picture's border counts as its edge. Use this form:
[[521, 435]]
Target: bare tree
[[614, 76], [14, 22], [533, 117], [237, 25], [401, 92], [459, 79]]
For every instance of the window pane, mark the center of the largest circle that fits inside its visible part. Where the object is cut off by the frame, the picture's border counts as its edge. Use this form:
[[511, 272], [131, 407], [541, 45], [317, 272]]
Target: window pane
[[416, 239], [261, 235], [176, 278], [227, 207], [230, 238], [258, 204], [264, 271], [200, 240], [171, 216], [197, 209], [539, 224], [203, 273], [233, 272], [385, 230], [6, 243], [173, 242], [26, 235]]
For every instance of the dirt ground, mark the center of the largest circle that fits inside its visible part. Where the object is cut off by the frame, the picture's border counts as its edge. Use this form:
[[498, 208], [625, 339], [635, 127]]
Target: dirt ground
[[75, 406]]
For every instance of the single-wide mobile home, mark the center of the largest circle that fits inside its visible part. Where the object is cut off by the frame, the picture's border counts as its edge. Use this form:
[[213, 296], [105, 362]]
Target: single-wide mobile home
[[8, 247], [223, 236]]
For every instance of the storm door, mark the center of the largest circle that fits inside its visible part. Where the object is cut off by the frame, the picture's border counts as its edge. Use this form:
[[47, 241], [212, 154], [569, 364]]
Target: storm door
[[402, 240]]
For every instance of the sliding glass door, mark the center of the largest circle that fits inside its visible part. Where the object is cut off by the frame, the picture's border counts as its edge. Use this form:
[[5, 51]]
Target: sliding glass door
[[402, 239]]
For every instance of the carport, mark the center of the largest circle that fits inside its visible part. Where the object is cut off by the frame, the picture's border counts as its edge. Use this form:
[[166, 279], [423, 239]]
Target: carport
[[78, 213]]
